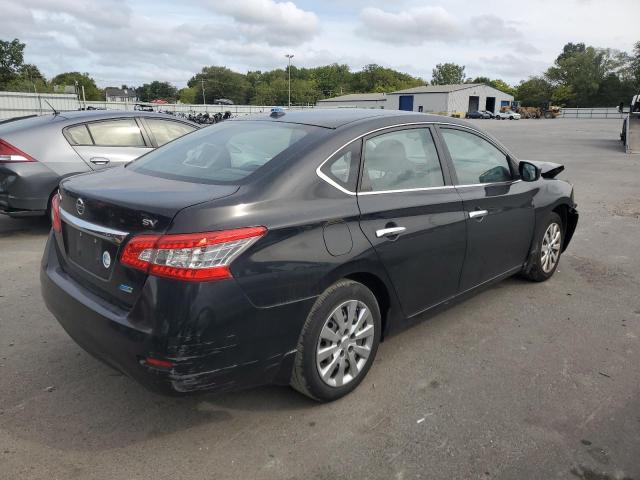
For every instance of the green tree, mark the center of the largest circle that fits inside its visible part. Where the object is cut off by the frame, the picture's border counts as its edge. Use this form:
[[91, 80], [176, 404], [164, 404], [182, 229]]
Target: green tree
[[187, 95], [220, 82], [28, 79], [503, 86], [582, 70], [157, 91], [11, 61], [447, 74], [535, 92], [374, 78], [485, 80], [333, 80], [91, 91], [635, 65]]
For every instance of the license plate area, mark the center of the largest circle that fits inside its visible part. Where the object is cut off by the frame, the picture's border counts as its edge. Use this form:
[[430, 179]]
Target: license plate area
[[89, 252]]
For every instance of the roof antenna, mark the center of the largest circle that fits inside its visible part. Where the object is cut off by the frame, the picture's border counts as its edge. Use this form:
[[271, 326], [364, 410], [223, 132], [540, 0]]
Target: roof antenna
[[55, 112]]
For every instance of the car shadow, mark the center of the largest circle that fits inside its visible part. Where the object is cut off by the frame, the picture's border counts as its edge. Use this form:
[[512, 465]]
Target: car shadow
[[24, 225], [83, 405]]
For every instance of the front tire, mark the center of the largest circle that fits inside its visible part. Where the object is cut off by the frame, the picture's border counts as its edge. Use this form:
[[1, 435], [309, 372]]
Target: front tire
[[546, 256], [338, 343]]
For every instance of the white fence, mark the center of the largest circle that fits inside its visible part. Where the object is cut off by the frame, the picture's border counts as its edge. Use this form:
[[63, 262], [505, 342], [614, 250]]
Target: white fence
[[591, 113], [16, 104]]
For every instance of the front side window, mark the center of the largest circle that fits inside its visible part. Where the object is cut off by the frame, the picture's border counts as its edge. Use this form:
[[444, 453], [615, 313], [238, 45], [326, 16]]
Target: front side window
[[475, 160], [117, 133], [226, 152], [404, 159], [166, 130]]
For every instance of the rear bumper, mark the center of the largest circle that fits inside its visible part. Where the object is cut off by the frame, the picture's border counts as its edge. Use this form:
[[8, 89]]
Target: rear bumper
[[217, 340], [25, 188]]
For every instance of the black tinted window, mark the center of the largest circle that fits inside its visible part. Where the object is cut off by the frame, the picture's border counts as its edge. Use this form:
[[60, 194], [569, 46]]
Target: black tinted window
[[342, 168], [226, 152], [475, 159], [400, 160]]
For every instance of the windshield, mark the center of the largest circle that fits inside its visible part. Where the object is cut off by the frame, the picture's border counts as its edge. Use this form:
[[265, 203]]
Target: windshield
[[223, 153]]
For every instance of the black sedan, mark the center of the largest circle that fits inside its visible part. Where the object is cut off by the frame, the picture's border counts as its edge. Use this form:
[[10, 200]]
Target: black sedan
[[283, 248], [478, 114]]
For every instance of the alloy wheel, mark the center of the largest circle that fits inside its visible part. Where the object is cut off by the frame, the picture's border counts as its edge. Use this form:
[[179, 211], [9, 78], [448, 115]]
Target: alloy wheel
[[345, 343], [550, 249]]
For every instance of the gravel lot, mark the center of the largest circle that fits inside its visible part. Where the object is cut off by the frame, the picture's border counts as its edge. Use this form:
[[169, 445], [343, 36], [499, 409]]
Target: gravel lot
[[523, 381]]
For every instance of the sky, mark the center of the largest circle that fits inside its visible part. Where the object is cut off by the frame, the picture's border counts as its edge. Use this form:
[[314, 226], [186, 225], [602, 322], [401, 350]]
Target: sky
[[133, 42]]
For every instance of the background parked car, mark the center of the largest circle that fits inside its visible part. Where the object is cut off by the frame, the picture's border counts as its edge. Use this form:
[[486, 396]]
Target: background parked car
[[489, 113], [508, 114], [37, 152], [478, 114]]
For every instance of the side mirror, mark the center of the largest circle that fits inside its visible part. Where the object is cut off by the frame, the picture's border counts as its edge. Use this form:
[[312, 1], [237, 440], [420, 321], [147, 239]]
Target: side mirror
[[528, 171]]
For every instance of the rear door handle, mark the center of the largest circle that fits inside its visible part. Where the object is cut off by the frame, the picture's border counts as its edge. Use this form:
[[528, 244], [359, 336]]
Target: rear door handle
[[389, 232], [99, 160], [478, 214]]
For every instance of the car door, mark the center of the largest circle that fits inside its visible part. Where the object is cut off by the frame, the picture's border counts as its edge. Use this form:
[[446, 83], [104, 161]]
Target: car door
[[163, 131], [113, 142], [412, 215], [499, 207]]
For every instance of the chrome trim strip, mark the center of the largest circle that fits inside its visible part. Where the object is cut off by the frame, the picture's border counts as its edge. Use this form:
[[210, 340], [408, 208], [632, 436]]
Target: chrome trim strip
[[493, 184], [109, 234], [324, 177], [444, 187]]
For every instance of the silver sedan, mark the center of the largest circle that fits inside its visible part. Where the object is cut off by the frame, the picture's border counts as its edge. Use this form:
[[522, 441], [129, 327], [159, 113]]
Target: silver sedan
[[37, 152]]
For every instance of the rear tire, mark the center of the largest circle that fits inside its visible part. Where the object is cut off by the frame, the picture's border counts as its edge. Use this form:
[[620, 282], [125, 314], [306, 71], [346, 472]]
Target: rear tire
[[545, 258], [338, 342]]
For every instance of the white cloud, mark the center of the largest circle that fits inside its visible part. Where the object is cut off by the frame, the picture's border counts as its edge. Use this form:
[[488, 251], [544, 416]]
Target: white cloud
[[132, 42], [410, 27], [420, 25], [276, 23]]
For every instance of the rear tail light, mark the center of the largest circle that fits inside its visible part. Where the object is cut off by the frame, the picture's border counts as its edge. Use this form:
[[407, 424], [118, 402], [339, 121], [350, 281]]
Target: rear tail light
[[11, 154], [193, 257], [55, 213]]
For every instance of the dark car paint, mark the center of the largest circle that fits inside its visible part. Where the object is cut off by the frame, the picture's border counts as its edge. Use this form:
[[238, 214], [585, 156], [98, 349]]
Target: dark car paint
[[244, 331], [26, 188]]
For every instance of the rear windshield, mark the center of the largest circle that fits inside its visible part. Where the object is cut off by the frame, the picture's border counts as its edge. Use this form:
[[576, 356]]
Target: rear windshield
[[226, 152]]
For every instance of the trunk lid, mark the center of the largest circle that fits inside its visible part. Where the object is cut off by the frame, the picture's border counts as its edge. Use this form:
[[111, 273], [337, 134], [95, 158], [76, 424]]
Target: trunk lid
[[100, 211]]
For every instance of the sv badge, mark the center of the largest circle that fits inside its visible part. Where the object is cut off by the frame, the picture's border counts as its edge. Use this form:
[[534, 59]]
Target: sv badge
[[148, 223]]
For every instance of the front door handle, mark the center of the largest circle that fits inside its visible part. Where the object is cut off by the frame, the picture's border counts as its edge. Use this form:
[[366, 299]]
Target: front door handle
[[478, 214], [389, 232], [99, 160]]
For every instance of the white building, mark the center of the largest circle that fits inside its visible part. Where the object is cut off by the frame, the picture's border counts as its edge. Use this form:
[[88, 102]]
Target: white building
[[448, 99], [354, 100]]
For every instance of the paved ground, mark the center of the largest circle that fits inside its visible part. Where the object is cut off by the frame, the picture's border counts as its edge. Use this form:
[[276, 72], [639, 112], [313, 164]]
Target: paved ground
[[524, 381]]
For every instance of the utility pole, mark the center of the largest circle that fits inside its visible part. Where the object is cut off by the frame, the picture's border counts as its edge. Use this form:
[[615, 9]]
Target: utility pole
[[289, 56], [204, 99]]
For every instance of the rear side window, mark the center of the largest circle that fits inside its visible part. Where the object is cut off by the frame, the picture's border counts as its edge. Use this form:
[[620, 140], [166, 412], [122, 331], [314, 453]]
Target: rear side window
[[117, 133], [342, 168], [401, 160], [226, 152], [166, 130], [475, 160], [78, 135]]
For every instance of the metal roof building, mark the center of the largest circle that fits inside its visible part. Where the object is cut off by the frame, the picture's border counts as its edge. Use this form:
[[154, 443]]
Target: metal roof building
[[355, 100], [448, 99]]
